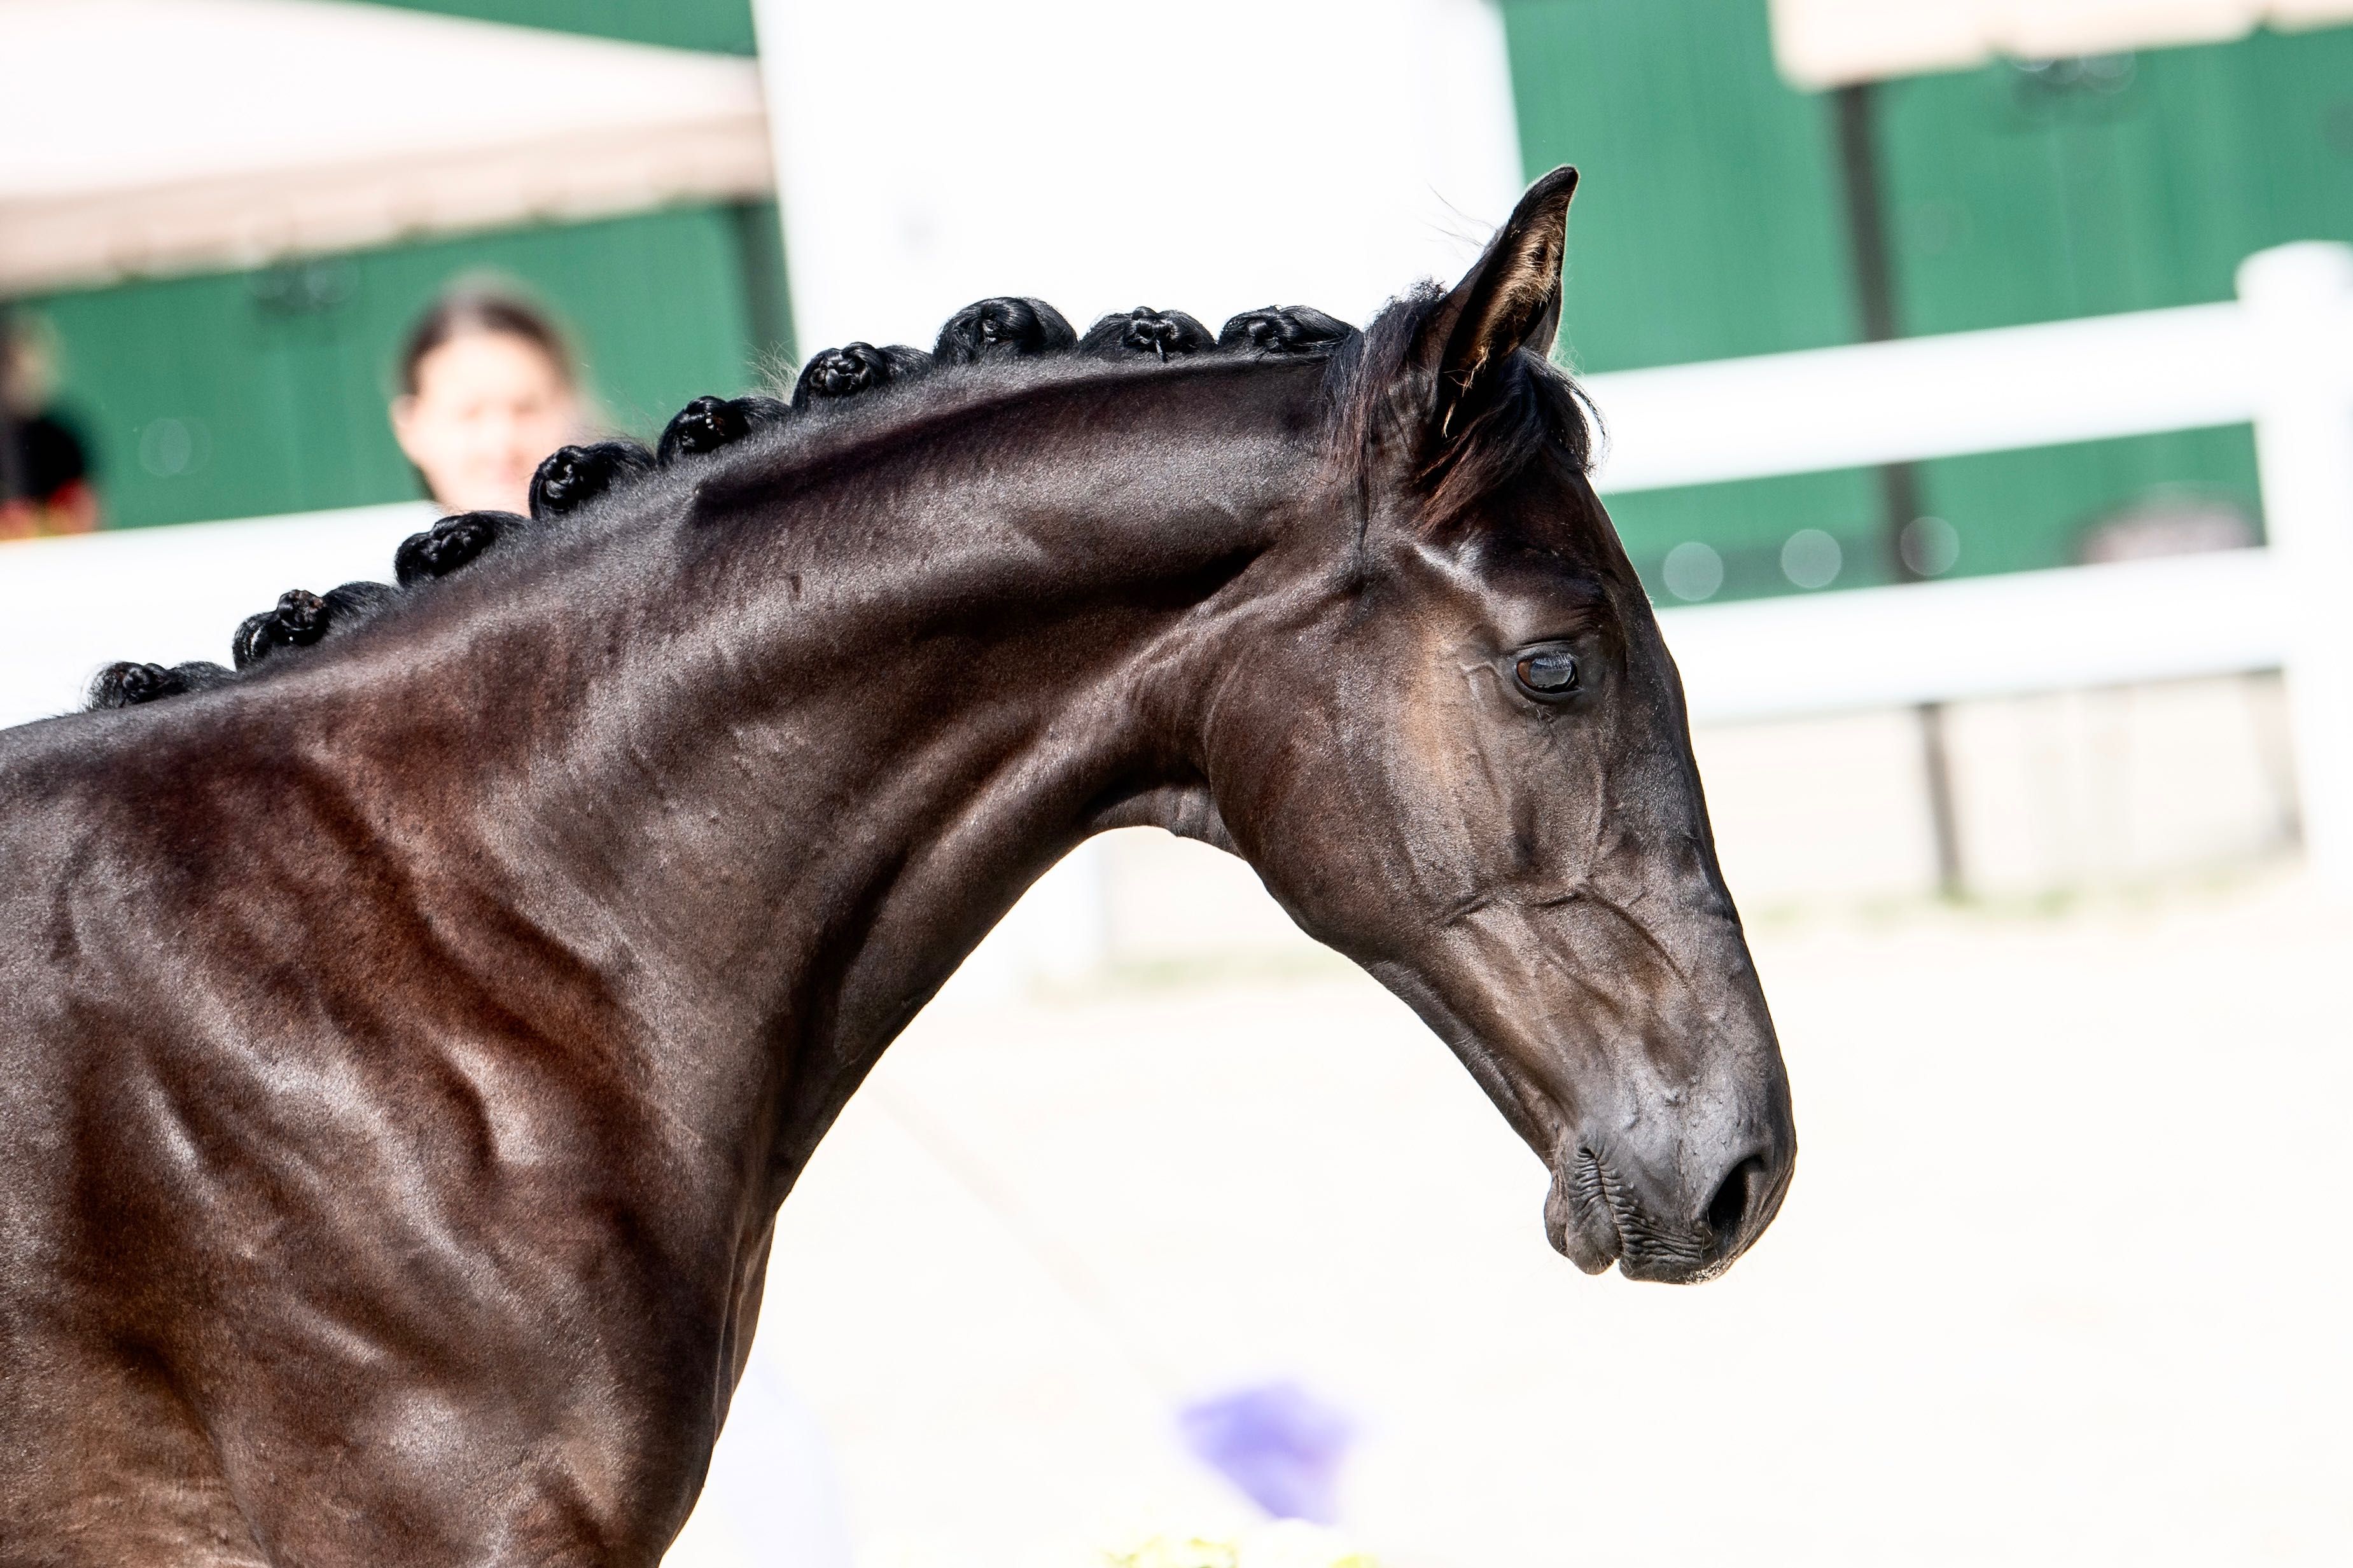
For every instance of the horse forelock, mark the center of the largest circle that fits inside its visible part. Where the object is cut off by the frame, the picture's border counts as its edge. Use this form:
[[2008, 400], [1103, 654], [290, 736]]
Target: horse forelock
[[1380, 404]]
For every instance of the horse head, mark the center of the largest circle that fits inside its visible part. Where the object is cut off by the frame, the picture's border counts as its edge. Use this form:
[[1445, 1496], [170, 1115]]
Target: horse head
[[1463, 760]]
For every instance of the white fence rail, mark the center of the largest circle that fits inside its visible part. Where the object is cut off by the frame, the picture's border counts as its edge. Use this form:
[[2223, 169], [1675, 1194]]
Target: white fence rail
[[69, 606], [2280, 358], [2084, 380], [2165, 619]]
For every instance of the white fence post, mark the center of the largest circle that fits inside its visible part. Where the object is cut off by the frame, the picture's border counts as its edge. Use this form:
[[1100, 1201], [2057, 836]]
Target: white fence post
[[2299, 300]]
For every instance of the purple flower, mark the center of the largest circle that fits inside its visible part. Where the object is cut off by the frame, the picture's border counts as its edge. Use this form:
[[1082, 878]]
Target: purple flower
[[1277, 1442]]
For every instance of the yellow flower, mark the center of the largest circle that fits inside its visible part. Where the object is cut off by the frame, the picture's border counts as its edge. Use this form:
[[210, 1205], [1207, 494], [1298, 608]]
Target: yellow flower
[[1287, 1544], [1169, 1551]]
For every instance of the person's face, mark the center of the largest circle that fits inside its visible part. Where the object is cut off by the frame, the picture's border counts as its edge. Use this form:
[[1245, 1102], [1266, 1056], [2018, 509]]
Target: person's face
[[488, 406]]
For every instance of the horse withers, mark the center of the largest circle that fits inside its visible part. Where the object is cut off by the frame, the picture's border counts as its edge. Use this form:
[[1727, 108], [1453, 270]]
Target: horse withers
[[406, 1039]]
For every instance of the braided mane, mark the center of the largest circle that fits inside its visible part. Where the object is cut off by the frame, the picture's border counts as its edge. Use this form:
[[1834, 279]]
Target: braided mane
[[1002, 345]]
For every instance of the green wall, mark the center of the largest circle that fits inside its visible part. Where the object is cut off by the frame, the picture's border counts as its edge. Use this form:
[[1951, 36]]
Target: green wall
[[243, 394], [1711, 225], [1706, 226], [236, 394], [2141, 182]]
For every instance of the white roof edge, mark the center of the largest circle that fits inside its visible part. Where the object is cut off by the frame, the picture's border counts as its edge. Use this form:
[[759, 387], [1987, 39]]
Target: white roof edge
[[165, 136], [1837, 43]]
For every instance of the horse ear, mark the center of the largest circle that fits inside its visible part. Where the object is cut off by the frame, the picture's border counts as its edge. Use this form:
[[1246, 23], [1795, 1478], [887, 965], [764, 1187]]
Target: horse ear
[[1509, 300]]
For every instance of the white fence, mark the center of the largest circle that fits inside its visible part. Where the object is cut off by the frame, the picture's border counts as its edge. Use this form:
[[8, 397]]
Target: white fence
[[69, 607], [2280, 358]]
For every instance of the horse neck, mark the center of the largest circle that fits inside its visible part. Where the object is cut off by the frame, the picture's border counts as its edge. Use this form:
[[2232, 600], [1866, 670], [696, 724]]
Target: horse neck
[[856, 711]]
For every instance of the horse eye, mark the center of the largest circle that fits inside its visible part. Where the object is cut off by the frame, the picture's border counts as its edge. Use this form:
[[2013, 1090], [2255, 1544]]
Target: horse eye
[[1547, 672]]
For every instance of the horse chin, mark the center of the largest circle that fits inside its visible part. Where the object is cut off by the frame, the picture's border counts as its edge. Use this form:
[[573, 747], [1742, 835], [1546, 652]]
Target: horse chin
[[1584, 1233]]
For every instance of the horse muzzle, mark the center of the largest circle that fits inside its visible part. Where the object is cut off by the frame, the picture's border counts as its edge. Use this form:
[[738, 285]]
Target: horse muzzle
[[1602, 1211]]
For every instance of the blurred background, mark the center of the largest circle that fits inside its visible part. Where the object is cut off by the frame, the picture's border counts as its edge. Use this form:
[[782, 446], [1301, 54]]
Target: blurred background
[[1980, 396]]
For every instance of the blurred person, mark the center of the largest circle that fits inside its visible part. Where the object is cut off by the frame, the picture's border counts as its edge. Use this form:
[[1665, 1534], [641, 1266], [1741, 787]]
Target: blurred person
[[487, 388], [45, 473]]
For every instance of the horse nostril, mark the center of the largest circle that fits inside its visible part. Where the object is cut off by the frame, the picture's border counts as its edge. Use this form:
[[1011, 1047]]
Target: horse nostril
[[1728, 1210]]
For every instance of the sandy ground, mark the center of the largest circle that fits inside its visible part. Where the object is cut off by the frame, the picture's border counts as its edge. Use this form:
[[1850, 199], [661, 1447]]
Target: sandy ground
[[2061, 1277]]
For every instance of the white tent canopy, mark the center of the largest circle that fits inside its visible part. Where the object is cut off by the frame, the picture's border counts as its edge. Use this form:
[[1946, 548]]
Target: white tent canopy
[[1833, 43], [1391, 157], [152, 136]]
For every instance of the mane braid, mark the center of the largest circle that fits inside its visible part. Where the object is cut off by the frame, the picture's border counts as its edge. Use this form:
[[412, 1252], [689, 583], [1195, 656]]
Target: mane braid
[[615, 485]]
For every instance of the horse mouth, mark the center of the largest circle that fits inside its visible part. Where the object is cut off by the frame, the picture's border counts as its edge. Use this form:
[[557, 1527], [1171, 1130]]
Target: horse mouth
[[1581, 1213], [1595, 1221]]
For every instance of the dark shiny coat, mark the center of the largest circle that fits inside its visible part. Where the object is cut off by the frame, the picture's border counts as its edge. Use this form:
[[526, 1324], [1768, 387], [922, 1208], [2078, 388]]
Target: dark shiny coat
[[406, 1043]]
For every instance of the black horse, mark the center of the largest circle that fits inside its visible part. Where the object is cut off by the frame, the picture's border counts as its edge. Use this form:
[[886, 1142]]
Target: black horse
[[405, 1040]]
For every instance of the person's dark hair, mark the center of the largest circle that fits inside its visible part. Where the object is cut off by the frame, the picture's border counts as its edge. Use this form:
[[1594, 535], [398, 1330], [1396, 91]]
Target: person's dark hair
[[475, 309]]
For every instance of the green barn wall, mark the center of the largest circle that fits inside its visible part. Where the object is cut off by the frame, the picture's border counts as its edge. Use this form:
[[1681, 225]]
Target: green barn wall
[[1707, 225], [2143, 182], [238, 394], [1711, 225], [243, 394]]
